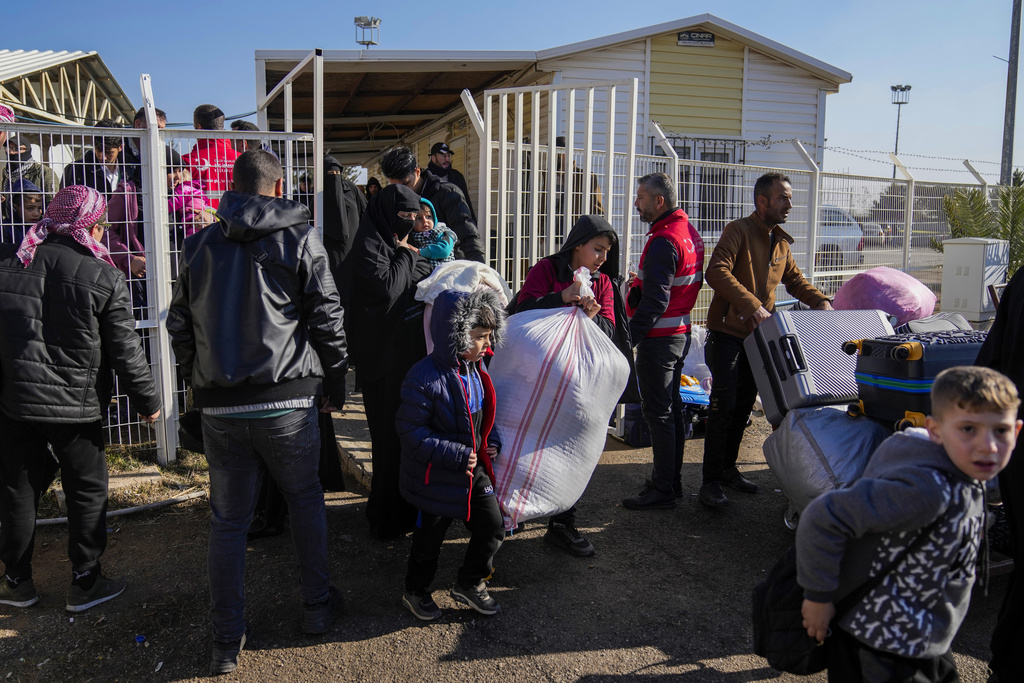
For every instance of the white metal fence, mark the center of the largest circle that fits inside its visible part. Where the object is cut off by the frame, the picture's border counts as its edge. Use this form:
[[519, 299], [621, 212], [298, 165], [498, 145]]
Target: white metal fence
[[853, 222], [151, 209]]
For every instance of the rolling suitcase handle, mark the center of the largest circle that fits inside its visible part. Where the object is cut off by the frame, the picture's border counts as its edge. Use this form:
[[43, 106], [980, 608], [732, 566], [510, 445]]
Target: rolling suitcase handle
[[794, 356]]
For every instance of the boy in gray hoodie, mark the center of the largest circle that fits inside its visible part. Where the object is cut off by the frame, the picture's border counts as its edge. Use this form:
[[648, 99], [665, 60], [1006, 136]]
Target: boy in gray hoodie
[[902, 629]]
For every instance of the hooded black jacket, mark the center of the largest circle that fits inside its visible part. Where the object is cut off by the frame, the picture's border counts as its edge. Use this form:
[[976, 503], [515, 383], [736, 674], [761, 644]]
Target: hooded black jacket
[[453, 210], [255, 315], [384, 278], [63, 321]]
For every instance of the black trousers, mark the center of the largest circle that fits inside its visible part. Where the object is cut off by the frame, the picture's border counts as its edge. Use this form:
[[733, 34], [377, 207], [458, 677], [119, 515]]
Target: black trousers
[[387, 512], [486, 531], [1008, 637], [850, 661], [732, 396], [27, 468]]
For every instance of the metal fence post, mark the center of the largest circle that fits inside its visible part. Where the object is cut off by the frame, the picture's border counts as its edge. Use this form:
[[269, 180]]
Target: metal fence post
[[158, 281], [318, 137], [812, 209], [629, 173], [908, 217]]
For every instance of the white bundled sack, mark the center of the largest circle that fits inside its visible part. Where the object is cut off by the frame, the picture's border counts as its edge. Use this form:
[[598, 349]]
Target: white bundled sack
[[819, 449], [694, 365], [557, 377]]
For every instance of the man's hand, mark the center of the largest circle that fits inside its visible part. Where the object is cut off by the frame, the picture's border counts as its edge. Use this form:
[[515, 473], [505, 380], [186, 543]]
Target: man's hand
[[825, 305], [150, 419], [471, 462], [758, 317], [137, 264], [492, 451], [817, 617], [326, 406]]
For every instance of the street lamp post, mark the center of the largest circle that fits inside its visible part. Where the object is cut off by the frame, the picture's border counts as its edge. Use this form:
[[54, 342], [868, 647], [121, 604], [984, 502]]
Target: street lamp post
[[900, 96]]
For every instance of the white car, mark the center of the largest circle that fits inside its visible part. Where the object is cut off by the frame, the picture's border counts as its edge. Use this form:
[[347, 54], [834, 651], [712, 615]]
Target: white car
[[840, 240]]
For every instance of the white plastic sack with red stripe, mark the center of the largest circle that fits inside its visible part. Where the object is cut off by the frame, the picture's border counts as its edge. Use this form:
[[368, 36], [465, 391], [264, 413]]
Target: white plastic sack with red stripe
[[557, 377]]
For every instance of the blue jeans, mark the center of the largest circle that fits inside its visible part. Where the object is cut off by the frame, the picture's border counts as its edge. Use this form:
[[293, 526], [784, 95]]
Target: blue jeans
[[659, 364], [237, 449], [732, 396]]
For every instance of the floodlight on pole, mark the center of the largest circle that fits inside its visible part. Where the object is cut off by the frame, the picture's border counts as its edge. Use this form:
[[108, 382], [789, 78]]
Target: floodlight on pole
[[900, 96], [367, 31]]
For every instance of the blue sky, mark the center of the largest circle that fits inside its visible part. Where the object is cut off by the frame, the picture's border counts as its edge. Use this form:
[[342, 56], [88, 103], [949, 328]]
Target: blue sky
[[200, 52]]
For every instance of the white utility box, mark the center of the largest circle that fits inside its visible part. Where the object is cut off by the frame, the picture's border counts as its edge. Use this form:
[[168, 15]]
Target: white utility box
[[969, 266]]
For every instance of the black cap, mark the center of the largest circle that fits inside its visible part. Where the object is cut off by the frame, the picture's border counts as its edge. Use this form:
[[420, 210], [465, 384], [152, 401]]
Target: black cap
[[440, 148]]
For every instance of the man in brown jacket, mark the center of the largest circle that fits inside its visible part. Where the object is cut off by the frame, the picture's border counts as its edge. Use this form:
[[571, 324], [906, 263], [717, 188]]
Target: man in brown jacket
[[751, 259]]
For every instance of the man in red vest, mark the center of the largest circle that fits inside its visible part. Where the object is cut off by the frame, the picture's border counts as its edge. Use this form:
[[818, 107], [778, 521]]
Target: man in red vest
[[751, 259], [211, 160], [660, 298]]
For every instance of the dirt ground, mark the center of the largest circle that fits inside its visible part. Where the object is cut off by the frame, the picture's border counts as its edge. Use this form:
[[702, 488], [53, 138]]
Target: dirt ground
[[666, 597]]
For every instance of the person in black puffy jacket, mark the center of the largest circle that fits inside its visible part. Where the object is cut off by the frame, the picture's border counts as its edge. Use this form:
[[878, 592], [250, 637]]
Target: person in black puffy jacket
[[65, 321], [445, 426]]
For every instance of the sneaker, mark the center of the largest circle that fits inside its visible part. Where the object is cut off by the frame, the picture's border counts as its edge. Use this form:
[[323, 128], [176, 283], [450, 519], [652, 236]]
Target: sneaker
[[711, 494], [105, 588], [225, 656], [476, 597], [568, 538], [317, 618], [651, 499], [734, 480], [22, 595], [421, 605]]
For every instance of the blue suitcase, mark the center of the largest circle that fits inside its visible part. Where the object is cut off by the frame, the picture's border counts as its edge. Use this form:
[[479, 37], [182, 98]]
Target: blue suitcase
[[895, 373]]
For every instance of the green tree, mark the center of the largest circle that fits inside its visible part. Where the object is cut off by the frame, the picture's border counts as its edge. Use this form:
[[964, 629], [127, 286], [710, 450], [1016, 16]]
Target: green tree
[[971, 214]]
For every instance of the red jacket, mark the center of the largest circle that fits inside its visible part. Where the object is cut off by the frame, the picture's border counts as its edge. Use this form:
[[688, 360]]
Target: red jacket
[[659, 303], [210, 163]]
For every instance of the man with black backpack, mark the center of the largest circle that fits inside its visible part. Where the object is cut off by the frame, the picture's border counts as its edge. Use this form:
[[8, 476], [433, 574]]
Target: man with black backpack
[[257, 331]]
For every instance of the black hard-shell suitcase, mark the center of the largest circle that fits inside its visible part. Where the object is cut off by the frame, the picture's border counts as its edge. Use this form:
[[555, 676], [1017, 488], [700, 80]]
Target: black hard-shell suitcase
[[797, 357], [895, 372], [940, 322]]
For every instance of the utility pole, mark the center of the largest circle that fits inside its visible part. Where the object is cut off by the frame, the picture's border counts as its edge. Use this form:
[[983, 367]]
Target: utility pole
[[1006, 167], [900, 96]]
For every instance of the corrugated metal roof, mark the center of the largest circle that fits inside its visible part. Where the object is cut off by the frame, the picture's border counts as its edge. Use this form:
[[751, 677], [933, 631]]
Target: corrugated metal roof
[[15, 63]]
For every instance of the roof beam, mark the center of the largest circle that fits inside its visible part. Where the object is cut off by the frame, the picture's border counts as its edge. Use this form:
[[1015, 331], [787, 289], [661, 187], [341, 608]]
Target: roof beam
[[356, 120], [349, 96]]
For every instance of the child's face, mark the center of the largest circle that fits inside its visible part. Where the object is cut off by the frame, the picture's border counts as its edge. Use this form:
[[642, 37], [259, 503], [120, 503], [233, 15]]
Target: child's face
[[978, 443], [479, 342], [31, 208], [591, 255], [424, 220]]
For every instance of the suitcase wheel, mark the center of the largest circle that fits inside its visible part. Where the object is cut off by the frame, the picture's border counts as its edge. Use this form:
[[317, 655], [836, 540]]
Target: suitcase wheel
[[855, 409], [852, 347], [911, 420]]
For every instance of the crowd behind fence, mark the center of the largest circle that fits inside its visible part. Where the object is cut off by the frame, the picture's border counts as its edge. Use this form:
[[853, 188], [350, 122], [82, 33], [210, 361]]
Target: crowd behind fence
[[858, 222], [147, 223]]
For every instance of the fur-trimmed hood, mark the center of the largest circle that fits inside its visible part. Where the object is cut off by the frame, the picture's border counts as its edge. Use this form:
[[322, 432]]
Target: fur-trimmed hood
[[452, 321]]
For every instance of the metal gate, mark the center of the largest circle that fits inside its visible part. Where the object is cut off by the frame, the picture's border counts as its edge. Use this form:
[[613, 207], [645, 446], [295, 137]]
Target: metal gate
[[549, 154]]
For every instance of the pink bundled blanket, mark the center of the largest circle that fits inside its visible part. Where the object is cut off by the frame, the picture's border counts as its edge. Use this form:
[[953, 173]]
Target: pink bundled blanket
[[189, 196], [889, 290]]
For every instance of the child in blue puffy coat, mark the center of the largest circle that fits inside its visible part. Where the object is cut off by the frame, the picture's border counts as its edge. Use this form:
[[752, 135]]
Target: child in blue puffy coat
[[445, 426]]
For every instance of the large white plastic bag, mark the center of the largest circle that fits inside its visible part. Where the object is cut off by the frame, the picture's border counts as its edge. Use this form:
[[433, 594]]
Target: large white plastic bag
[[557, 377], [694, 365], [819, 449]]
